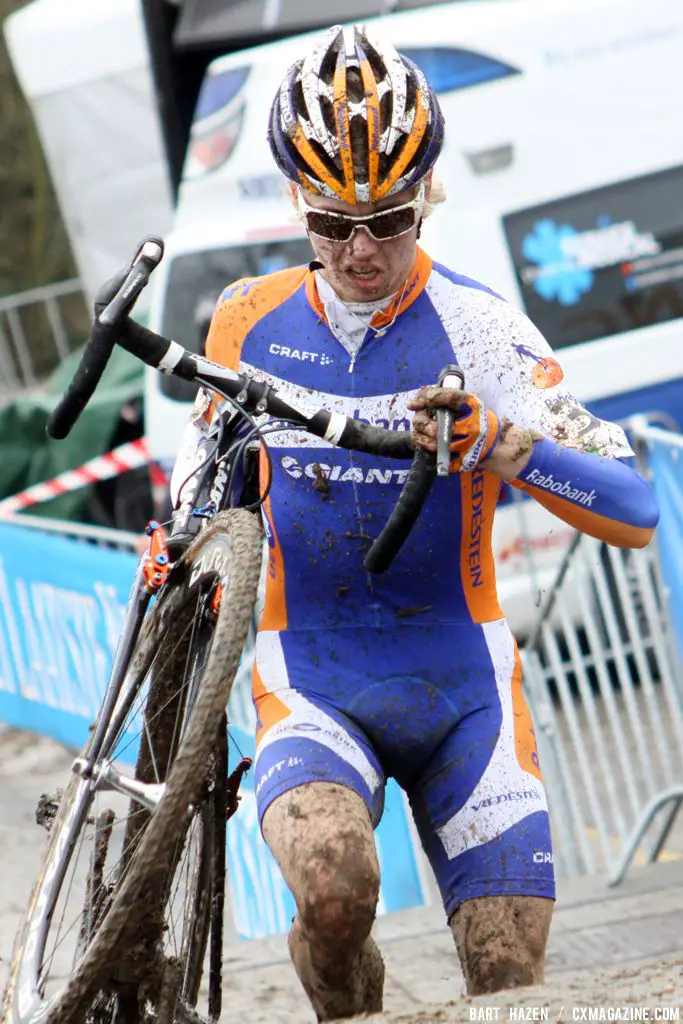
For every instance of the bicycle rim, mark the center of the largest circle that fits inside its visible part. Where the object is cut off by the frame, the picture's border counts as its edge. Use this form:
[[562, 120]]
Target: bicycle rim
[[68, 965]]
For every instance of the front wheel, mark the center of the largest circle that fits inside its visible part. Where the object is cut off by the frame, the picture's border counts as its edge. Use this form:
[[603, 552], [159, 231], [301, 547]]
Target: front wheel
[[97, 940]]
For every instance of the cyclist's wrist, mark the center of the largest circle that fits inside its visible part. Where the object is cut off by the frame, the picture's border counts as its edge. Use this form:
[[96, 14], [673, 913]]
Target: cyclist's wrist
[[512, 451]]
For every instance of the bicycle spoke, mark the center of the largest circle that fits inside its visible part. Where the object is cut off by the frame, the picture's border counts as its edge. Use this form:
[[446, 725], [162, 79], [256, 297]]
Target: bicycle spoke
[[62, 935], [137, 704], [69, 888], [187, 684]]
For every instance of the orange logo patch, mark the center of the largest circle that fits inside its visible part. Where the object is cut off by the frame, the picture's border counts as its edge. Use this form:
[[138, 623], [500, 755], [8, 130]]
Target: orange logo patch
[[547, 373]]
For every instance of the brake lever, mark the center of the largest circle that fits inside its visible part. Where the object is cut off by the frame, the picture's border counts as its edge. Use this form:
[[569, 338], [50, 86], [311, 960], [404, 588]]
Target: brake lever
[[147, 258], [450, 377]]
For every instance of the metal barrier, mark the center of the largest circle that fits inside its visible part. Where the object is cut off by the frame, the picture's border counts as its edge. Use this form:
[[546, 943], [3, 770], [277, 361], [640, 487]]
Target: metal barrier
[[99, 535], [604, 683], [36, 335]]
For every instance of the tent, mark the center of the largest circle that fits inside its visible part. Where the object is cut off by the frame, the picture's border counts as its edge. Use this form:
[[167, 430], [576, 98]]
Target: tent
[[84, 69], [28, 456]]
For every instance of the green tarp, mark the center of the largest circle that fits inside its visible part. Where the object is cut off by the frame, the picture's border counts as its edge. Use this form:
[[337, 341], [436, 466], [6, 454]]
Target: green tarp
[[28, 456]]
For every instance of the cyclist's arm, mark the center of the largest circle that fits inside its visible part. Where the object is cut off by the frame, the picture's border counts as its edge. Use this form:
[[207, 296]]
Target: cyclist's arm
[[238, 310], [556, 451], [600, 496], [223, 345]]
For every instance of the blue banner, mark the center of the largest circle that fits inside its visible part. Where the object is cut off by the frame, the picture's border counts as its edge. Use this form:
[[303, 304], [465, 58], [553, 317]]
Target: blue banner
[[62, 603], [61, 609], [666, 462]]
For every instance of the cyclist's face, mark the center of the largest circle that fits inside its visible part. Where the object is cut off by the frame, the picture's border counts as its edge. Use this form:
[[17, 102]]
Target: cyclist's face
[[363, 269]]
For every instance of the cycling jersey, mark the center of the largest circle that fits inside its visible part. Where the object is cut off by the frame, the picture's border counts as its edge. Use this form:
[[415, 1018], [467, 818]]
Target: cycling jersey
[[326, 504], [412, 673]]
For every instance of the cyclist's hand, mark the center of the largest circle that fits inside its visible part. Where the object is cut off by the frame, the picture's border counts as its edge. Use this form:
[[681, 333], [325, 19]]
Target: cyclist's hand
[[476, 429]]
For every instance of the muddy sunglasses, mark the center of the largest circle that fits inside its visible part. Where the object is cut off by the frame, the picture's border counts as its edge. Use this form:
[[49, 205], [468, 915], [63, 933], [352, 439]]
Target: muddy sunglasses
[[339, 227]]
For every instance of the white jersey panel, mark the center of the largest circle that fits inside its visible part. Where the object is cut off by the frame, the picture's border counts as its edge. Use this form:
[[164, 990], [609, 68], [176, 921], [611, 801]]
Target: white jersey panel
[[509, 364]]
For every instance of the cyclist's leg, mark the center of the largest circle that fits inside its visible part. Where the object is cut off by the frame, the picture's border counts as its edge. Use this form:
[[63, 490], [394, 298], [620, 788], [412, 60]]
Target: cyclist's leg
[[321, 836], [320, 790], [481, 811], [501, 941]]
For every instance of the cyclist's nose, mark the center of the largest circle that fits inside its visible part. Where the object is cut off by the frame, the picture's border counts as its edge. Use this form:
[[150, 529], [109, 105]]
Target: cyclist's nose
[[361, 242]]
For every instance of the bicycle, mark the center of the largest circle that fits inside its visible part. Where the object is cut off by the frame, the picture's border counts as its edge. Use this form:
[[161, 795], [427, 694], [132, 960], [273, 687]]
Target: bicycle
[[128, 854]]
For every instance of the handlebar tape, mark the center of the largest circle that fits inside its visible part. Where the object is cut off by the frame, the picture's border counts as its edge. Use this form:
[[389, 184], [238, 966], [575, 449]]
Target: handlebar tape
[[102, 340], [157, 351], [81, 388], [408, 507], [147, 258], [362, 437]]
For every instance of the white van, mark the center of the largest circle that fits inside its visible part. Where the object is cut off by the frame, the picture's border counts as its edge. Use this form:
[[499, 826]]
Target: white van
[[563, 165]]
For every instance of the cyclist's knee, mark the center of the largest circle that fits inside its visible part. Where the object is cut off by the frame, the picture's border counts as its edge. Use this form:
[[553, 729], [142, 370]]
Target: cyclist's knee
[[340, 902], [322, 838], [501, 941]]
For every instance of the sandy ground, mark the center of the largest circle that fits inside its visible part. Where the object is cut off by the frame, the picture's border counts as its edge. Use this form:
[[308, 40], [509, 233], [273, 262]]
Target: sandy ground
[[613, 953]]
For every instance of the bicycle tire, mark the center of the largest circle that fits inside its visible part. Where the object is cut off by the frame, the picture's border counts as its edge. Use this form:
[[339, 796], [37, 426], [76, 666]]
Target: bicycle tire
[[198, 846], [228, 552], [205, 917], [201, 916]]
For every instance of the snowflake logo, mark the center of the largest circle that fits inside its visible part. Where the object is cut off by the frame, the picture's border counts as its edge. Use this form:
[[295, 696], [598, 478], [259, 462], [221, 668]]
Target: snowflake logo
[[557, 275]]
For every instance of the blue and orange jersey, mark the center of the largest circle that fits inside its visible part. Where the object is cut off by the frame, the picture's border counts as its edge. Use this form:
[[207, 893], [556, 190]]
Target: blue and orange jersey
[[326, 505]]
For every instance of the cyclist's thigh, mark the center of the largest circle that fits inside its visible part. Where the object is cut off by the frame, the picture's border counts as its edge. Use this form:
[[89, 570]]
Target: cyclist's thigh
[[303, 738], [479, 802]]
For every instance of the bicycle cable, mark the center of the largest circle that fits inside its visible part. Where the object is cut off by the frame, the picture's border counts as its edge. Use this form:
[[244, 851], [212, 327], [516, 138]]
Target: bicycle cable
[[238, 453], [279, 425]]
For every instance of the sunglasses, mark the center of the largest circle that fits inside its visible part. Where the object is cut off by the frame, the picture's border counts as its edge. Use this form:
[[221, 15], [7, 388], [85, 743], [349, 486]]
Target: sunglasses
[[339, 227]]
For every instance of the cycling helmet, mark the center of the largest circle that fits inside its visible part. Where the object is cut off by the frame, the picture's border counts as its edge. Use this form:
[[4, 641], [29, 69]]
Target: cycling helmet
[[354, 119]]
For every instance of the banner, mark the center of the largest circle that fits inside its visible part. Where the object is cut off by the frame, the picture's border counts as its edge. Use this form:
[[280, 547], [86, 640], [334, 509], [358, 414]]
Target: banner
[[62, 603], [61, 610], [665, 454]]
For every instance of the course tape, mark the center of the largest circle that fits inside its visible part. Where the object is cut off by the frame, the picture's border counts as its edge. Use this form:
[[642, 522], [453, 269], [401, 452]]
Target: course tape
[[102, 467]]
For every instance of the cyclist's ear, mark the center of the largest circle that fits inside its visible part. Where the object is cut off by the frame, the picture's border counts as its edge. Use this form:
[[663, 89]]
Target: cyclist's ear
[[428, 180], [435, 193], [291, 191], [108, 290]]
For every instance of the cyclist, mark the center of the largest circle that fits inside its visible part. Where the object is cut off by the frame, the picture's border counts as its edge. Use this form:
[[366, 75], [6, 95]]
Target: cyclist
[[413, 674]]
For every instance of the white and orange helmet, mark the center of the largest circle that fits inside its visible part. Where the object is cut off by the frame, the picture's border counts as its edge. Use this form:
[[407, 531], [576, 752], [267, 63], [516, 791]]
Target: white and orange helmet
[[354, 119]]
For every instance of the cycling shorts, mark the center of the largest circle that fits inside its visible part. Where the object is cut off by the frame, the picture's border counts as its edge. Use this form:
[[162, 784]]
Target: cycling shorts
[[438, 708]]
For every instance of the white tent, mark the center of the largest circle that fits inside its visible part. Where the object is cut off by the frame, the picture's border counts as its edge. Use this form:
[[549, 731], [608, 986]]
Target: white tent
[[83, 66]]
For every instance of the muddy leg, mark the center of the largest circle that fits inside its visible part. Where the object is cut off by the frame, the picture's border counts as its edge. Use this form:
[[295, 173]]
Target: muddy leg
[[321, 836], [501, 941]]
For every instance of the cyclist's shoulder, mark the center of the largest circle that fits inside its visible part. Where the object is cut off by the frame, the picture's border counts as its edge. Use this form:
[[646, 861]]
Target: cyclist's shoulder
[[466, 288], [243, 305], [262, 293], [466, 303]]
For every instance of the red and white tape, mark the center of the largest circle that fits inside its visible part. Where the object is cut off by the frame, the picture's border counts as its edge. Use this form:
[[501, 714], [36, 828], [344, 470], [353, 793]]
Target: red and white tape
[[102, 467]]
